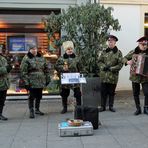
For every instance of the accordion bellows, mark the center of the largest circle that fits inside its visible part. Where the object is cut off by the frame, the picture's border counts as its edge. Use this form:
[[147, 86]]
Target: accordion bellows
[[139, 64]]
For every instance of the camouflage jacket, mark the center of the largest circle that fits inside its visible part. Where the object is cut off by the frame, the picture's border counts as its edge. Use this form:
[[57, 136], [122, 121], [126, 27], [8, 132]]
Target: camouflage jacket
[[137, 78], [113, 59], [4, 77], [73, 66], [34, 71]]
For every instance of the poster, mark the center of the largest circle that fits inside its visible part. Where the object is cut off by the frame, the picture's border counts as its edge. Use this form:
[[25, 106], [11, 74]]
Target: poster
[[20, 44]]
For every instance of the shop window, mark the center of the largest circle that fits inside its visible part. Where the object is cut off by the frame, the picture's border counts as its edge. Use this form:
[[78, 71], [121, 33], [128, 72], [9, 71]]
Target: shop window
[[16, 45], [17, 30], [19, 44]]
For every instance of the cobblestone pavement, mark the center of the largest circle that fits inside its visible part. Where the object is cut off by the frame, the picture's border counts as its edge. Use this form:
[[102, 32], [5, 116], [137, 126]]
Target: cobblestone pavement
[[118, 130]]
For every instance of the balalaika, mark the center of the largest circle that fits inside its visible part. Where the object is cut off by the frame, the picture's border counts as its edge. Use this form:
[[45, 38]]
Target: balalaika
[[139, 64]]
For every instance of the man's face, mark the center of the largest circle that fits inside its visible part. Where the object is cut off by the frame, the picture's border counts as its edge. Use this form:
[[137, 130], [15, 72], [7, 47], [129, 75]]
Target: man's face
[[69, 51], [143, 45], [34, 51], [111, 43]]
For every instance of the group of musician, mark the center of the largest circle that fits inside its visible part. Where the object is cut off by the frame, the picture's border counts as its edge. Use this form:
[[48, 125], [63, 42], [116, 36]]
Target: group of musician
[[35, 73], [110, 63]]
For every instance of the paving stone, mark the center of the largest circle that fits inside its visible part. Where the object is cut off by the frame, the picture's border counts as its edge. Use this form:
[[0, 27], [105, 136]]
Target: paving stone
[[118, 130]]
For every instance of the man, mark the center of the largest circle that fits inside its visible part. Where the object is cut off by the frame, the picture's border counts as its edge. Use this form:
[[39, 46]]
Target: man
[[5, 69], [35, 73], [137, 79], [66, 64], [110, 63]]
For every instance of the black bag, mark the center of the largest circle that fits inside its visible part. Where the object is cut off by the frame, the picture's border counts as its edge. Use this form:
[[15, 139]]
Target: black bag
[[86, 113]]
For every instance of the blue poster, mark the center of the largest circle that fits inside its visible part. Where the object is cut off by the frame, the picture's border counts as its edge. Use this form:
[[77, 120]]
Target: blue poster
[[20, 44]]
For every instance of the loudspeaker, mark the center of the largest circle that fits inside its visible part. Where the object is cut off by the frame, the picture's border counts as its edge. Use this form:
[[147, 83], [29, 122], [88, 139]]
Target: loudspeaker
[[91, 92], [87, 113]]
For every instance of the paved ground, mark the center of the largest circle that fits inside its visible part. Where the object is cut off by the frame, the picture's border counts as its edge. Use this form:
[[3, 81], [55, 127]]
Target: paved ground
[[118, 130]]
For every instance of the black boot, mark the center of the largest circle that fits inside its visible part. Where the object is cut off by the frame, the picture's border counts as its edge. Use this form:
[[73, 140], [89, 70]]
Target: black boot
[[31, 103], [77, 95], [102, 109], [37, 111], [31, 107], [111, 103], [138, 111], [145, 111], [37, 106], [3, 117], [32, 113], [78, 101], [64, 110], [112, 109], [1, 110], [137, 102], [103, 102], [64, 103]]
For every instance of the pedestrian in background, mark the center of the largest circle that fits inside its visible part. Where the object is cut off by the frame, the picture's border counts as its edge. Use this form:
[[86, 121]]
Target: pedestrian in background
[[5, 69], [110, 63], [35, 73], [137, 79], [68, 63]]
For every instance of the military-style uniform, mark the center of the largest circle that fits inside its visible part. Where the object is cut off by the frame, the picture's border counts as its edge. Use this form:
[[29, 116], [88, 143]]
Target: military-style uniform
[[35, 73], [138, 79], [73, 66], [4, 83], [110, 63]]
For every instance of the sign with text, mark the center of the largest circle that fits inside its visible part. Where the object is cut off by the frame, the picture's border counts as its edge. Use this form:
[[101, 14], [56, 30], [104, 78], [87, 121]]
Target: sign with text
[[72, 78], [19, 44]]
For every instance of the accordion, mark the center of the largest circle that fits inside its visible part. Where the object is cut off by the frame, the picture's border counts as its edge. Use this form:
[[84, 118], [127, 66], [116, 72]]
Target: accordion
[[139, 64]]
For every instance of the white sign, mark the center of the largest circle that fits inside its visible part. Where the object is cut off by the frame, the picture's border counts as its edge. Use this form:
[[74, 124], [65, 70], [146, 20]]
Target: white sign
[[72, 78]]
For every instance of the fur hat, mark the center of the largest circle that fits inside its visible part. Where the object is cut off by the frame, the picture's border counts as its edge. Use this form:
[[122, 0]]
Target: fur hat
[[112, 37], [31, 46], [68, 44]]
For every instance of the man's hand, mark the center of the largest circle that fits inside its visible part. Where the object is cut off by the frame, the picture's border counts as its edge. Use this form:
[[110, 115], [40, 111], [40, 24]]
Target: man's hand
[[47, 83], [65, 68], [106, 68], [129, 62], [9, 68], [27, 87]]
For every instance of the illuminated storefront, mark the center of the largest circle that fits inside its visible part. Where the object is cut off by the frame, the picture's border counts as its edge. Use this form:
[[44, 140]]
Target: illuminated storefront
[[21, 23], [19, 28]]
